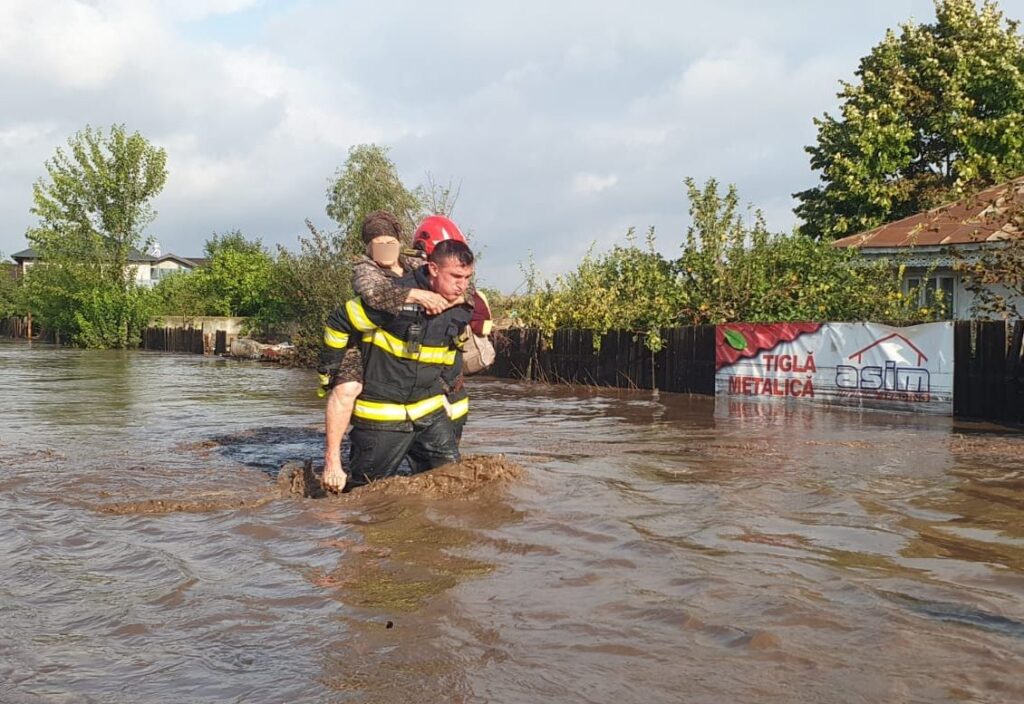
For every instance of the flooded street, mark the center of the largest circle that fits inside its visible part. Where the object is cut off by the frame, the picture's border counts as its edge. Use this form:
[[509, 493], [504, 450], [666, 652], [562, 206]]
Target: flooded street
[[653, 550]]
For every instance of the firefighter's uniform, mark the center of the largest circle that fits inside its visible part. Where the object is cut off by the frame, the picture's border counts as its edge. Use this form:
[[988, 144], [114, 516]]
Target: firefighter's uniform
[[410, 360]]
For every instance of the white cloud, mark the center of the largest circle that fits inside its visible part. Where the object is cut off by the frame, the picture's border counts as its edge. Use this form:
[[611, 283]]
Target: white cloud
[[15, 138], [587, 184], [194, 10], [735, 72], [536, 108], [73, 44]]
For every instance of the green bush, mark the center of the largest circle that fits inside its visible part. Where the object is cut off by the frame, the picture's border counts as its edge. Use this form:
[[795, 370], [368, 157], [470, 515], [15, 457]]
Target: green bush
[[101, 313], [727, 271]]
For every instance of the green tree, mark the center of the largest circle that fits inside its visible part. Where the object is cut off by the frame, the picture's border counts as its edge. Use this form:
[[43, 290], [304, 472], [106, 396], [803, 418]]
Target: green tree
[[235, 281], [237, 275], [727, 271], [183, 294], [993, 270], [93, 208], [936, 111], [630, 287], [369, 181], [10, 290], [306, 287], [732, 271], [995, 275]]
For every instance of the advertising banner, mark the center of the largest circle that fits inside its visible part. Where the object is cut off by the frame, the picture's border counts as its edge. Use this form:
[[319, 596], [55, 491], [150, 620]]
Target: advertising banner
[[852, 364]]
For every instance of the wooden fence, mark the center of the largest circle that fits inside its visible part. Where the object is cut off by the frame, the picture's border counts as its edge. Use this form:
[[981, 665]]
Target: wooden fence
[[193, 340], [14, 327], [685, 364], [174, 340], [23, 328], [988, 371]]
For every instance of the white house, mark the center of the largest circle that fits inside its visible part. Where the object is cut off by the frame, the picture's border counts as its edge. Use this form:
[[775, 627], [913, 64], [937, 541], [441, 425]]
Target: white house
[[166, 264], [148, 269], [928, 243]]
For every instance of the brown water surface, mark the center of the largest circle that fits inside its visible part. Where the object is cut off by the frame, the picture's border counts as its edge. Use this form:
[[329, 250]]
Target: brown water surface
[[654, 549]]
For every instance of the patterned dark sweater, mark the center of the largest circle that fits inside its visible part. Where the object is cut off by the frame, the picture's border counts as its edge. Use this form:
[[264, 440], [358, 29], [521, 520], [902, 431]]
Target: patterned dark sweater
[[380, 289]]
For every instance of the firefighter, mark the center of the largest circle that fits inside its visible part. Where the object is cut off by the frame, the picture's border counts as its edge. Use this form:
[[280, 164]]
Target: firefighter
[[409, 359], [376, 279]]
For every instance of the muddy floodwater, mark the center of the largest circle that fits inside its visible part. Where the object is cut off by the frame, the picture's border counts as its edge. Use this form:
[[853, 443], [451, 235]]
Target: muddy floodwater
[[632, 548]]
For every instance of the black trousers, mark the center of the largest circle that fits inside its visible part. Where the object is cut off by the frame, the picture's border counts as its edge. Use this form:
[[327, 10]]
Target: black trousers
[[378, 451]]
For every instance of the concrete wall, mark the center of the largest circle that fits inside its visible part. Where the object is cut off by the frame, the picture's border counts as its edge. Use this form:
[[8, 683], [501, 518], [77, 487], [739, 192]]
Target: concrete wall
[[208, 324]]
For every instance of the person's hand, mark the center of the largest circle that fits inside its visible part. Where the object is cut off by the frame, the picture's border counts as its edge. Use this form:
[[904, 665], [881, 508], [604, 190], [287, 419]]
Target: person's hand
[[334, 476], [432, 303]]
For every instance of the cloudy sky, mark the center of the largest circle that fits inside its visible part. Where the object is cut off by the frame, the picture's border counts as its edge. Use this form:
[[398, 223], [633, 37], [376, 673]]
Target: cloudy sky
[[565, 121]]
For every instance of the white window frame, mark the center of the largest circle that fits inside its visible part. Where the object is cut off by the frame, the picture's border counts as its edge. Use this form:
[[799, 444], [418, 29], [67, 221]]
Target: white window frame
[[924, 298]]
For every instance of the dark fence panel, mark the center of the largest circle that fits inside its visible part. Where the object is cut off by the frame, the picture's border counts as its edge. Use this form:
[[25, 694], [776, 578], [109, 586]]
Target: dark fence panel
[[685, 364], [988, 374], [23, 328], [165, 339], [14, 327], [173, 340]]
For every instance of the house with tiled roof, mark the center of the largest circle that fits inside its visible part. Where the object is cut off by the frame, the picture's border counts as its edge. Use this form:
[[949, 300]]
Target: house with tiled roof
[[148, 269], [930, 243]]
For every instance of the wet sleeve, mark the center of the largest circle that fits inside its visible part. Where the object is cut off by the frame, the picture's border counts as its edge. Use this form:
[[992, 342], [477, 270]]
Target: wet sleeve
[[337, 334], [482, 322], [380, 291]]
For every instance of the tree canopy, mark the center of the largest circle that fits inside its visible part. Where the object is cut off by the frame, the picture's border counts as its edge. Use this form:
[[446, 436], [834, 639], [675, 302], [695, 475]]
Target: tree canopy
[[237, 274], [936, 111], [9, 289], [729, 270], [93, 207], [96, 199], [235, 280], [369, 181]]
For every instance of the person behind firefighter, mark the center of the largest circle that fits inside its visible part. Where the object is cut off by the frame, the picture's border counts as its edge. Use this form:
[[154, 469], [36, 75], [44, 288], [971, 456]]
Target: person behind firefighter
[[410, 360], [478, 354], [376, 279]]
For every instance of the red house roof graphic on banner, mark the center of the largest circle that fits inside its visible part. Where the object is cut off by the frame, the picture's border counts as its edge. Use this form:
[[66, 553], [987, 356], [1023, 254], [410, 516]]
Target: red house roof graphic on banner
[[921, 356]]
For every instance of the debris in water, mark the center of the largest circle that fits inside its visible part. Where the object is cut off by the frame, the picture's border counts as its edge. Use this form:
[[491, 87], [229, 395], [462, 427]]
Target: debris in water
[[466, 477], [300, 480], [212, 502]]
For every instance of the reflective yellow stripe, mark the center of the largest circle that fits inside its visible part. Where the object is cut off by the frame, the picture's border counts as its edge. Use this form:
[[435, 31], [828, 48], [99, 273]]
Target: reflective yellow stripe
[[396, 412], [357, 314], [425, 407], [458, 409], [335, 338], [371, 410], [392, 345]]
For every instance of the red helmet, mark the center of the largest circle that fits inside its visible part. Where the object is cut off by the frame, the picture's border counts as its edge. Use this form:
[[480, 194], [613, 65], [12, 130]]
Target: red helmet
[[435, 229]]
